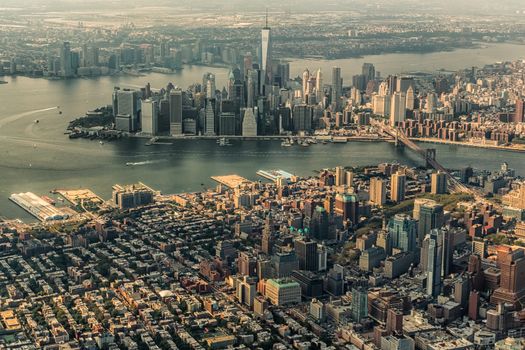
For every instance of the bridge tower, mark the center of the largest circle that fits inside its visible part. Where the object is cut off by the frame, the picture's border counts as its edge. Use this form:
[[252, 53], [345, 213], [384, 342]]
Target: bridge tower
[[396, 139], [430, 155]]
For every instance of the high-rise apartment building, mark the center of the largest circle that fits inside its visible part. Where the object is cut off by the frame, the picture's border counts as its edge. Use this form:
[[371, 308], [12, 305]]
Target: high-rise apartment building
[[397, 187], [438, 183], [377, 191]]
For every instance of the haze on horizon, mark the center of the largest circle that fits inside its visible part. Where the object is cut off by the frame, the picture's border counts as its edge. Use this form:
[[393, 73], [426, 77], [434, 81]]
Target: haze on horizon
[[381, 7]]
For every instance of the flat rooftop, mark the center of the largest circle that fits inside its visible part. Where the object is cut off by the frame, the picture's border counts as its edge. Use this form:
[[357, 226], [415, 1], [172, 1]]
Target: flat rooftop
[[231, 181]]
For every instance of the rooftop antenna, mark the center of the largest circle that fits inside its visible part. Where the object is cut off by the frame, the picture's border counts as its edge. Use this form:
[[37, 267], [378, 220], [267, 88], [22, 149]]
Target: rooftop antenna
[[266, 18]]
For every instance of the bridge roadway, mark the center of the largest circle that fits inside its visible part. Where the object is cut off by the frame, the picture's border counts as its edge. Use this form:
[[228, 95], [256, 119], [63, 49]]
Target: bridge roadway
[[429, 157]]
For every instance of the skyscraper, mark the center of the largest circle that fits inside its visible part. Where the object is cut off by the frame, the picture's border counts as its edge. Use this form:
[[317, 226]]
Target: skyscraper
[[306, 251], [431, 216], [150, 117], [209, 122], [397, 108], [339, 176], [359, 304], [519, 115], [319, 86], [266, 52], [302, 117], [127, 110], [347, 205], [369, 72], [438, 183], [66, 64], [377, 191], [433, 252], [175, 99], [403, 229], [410, 99], [512, 282], [397, 187], [249, 123], [337, 88]]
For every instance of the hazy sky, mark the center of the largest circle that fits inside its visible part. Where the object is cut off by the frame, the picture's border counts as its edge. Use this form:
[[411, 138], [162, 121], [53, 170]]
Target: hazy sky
[[460, 7]]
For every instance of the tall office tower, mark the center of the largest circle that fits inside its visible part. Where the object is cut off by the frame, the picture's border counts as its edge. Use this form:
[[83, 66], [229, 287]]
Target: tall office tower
[[377, 191], [175, 98], [402, 229], [512, 281], [208, 83], [404, 83], [397, 187], [339, 176], [306, 78], [337, 88], [209, 125], [247, 64], [392, 84], [438, 183], [306, 251], [252, 88], [347, 205], [369, 72], [431, 217], [266, 53], [302, 117], [319, 86], [128, 110], [397, 108], [227, 124], [431, 105], [150, 117], [359, 304], [432, 252], [319, 224], [411, 99], [381, 104], [448, 251], [519, 115], [66, 64], [249, 123]]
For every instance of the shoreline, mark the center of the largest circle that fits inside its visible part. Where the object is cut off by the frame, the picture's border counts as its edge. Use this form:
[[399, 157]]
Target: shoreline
[[469, 144], [325, 139]]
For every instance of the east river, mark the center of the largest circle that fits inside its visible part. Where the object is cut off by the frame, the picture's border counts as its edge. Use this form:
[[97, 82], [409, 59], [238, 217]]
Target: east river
[[38, 157]]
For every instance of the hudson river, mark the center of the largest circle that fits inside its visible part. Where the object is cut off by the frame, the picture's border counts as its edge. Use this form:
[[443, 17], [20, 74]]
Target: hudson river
[[38, 157]]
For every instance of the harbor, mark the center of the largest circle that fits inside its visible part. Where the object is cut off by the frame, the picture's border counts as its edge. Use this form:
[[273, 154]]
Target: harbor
[[38, 207]]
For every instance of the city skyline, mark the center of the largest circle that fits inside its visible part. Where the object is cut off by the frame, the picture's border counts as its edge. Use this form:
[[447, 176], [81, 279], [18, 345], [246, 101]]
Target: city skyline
[[262, 175]]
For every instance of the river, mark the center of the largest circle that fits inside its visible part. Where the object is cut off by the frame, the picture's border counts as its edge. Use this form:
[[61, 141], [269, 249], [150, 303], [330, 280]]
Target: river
[[38, 157]]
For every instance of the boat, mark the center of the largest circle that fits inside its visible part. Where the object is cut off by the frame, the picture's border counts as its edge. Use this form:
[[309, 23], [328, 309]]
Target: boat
[[37, 121], [152, 141], [59, 112], [286, 143], [223, 142], [101, 142]]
